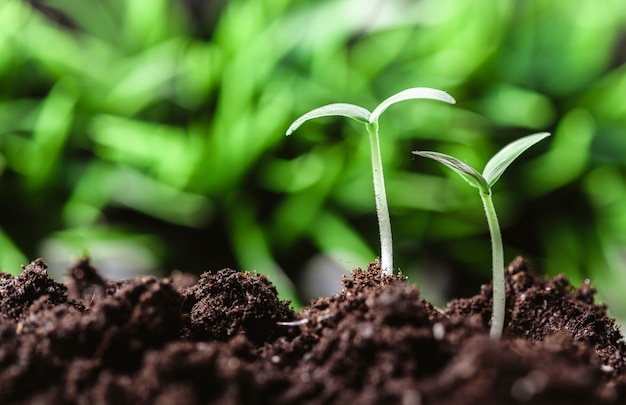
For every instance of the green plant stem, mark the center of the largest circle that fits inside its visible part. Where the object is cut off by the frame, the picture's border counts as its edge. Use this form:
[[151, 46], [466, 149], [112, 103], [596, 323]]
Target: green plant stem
[[382, 210], [497, 259]]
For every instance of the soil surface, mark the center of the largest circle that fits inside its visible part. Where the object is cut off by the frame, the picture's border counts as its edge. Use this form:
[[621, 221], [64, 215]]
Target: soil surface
[[227, 339]]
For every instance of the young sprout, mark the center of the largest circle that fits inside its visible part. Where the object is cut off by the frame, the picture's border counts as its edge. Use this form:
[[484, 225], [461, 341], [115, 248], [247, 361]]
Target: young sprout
[[370, 119], [493, 170]]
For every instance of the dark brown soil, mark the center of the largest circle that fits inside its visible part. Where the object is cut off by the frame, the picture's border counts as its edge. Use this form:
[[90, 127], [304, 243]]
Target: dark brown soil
[[227, 339]]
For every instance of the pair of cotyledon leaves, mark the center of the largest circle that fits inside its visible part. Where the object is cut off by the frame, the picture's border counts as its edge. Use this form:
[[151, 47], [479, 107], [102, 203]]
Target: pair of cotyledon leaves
[[494, 168]]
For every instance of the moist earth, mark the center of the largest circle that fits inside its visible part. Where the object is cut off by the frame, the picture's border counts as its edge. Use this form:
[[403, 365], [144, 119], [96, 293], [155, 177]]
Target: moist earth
[[226, 338]]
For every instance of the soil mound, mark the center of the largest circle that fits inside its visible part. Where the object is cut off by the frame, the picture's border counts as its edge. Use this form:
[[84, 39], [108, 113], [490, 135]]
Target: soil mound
[[227, 339]]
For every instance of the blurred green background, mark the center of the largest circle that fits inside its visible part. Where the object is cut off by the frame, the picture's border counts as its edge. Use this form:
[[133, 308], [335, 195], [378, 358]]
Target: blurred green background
[[150, 135]]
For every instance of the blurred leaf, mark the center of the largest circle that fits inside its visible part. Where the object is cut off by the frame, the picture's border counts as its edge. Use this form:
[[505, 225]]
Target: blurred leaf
[[295, 175], [11, 258], [122, 186], [200, 67], [143, 22], [18, 115], [515, 106], [64, 57], [143, 79], [297, 212], [337, 239], [101, 19], [51, 132], [251, 247], [604, 101], [168, 152], [417, 191], [140, 192], [606, 187], [567, 157]]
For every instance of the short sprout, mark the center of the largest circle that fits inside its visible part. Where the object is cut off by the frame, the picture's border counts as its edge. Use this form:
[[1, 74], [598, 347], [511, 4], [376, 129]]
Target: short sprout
[[493, 170]]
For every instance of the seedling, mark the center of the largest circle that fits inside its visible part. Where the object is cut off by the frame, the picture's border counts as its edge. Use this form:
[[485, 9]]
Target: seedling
[[370, 119], [493, 170]]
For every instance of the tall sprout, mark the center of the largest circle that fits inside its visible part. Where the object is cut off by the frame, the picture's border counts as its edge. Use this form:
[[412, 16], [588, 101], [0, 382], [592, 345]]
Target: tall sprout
[[370, 119]]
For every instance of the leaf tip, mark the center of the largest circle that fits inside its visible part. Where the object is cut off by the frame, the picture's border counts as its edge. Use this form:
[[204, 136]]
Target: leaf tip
[[446, 97], [292, 128]]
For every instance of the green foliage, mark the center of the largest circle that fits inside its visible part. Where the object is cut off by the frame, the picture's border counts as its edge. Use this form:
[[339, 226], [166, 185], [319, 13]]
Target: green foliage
[[150, 125]]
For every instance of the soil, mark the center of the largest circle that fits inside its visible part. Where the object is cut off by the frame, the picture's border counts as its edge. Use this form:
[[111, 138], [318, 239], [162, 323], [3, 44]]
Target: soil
[[227, 339]]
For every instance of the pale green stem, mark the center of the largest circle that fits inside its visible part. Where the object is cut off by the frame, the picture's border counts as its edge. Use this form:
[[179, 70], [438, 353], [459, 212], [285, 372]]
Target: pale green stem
[[382, 210], [497, 259]]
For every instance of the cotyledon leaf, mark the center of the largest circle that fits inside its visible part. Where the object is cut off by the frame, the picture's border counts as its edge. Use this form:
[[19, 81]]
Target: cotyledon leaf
[[332, 110], [468, 173], [501, 160], [410, 94]]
